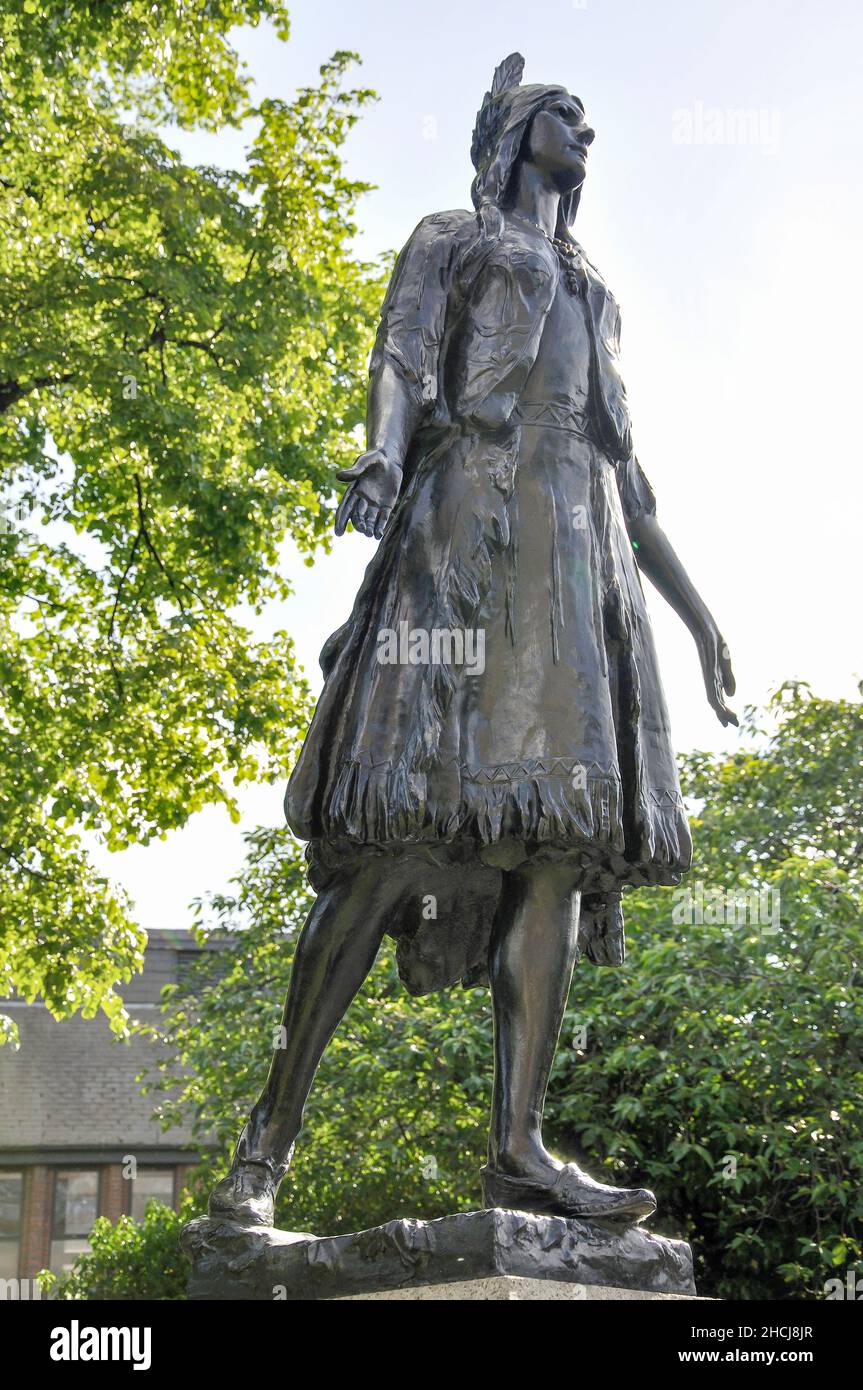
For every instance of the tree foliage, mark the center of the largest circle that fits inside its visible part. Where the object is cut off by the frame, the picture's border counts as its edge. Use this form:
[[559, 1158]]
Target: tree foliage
[[182, 354], [725, 1062], [127, 1260], [722, 1064]]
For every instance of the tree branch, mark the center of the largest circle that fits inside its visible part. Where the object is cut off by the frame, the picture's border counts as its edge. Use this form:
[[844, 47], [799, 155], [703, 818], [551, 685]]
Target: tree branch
[[12, 391]]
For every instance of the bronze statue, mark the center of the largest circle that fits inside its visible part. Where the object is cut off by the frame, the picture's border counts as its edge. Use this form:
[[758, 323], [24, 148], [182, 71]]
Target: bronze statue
[[489, 764]]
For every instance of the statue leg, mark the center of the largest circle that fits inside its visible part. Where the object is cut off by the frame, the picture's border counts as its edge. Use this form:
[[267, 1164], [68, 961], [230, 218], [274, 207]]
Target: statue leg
[[335, 952], [531, 959]]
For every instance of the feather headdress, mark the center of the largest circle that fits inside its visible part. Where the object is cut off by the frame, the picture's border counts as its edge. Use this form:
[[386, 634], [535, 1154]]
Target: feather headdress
[[507, 74]]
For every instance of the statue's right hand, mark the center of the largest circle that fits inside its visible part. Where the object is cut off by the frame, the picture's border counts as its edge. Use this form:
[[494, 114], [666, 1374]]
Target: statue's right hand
[[374, 488]]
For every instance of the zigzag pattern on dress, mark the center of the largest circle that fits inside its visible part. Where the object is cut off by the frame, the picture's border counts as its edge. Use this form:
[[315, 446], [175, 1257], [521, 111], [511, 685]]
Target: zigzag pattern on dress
[[536, 767], [554, 413]]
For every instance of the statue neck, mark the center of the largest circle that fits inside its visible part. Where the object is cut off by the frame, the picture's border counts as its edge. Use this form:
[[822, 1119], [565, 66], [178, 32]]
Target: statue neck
[[536, 200]]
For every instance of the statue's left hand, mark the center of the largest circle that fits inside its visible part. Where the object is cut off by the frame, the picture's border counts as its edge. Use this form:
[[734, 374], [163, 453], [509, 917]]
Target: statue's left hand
[[374, 487], [716, 667]]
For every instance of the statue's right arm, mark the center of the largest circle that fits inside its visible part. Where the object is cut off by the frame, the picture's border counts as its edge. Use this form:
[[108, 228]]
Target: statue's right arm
[[403, 373], [376, 477]]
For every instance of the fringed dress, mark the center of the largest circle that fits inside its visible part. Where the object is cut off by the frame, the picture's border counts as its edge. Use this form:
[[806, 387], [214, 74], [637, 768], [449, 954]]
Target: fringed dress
[[558, 748]]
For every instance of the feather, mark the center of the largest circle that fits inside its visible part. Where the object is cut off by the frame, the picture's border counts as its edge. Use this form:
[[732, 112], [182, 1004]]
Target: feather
[[507, 74]]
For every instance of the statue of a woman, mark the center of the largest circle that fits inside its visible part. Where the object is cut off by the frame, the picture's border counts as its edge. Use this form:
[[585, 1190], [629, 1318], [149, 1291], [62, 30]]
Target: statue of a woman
[[489, 763]]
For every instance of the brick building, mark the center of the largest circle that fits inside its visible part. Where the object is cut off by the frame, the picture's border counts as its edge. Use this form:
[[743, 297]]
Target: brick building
[[76, 1136]]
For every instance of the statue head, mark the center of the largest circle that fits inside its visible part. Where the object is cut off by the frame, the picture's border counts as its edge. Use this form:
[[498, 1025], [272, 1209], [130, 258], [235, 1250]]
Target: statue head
[[541, 124]]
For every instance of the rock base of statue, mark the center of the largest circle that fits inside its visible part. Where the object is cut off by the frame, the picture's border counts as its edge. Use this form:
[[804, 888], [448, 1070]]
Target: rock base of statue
[[479, 1254]]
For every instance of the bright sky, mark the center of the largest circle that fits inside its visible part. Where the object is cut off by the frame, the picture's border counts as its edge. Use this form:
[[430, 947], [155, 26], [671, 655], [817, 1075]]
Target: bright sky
[[723, 205]]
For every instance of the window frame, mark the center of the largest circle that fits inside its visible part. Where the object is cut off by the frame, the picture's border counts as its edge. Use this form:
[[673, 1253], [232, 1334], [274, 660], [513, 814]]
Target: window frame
[[19, 1238], [60, 1171], [171, 1168]]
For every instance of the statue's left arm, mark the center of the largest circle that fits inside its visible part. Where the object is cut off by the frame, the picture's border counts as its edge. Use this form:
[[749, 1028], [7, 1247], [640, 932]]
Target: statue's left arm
[[658, 559]]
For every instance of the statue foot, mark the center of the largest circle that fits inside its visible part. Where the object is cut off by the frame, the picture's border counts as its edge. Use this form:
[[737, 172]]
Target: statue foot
[[248, 1194], [567, 1192]]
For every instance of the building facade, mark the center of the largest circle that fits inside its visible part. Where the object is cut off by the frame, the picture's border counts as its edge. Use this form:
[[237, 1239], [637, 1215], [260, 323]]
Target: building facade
[[77, 1138]]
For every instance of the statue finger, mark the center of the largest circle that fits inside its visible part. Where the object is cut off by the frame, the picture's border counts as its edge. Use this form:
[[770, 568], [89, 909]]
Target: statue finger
[[356, 470], [725, 715], [343, 513]]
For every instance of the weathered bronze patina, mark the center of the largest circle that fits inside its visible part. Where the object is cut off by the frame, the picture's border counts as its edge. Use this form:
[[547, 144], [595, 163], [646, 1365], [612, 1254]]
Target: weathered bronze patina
[[489, 764]]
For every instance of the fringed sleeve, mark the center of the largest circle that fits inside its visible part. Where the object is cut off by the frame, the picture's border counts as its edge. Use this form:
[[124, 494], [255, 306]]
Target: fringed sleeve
[[404, 369]]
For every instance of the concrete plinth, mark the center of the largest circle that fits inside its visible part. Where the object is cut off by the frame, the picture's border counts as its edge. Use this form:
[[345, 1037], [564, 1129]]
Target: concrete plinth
[[508, 1288]]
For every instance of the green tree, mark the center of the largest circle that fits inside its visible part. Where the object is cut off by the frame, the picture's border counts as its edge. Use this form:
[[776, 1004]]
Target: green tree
[[725, 1062], [128, 1260], [181, 363], [722, 1064]]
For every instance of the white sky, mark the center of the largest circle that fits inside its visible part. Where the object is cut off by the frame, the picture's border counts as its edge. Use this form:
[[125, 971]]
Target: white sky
[[723, 206]]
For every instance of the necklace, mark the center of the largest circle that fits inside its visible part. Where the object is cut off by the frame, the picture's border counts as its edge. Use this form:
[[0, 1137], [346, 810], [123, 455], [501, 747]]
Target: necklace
[[563, 248], [574, 274]]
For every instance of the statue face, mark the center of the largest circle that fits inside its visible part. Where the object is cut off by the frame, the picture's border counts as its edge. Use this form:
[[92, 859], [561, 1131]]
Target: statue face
[[558, 141]]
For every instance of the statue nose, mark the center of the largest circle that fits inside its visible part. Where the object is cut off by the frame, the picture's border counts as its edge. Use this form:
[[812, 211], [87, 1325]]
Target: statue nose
[[586, 134]]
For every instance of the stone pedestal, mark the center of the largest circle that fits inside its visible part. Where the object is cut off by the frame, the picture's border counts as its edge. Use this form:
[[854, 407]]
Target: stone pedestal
[[492, 1254], [507, 1288]]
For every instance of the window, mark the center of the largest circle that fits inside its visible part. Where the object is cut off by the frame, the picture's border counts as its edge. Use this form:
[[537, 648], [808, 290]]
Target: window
[[150, 1184], [76, 1205], [11, 1188]]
